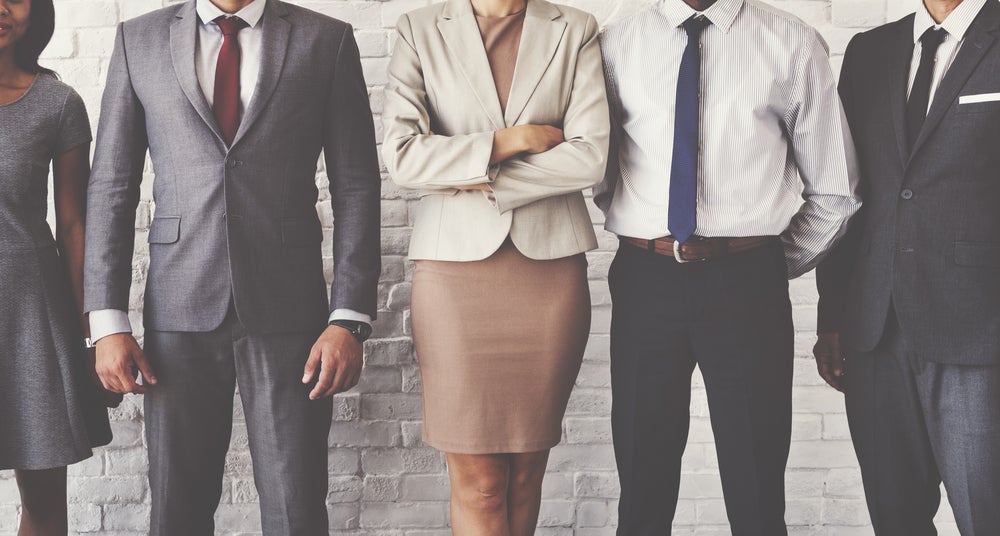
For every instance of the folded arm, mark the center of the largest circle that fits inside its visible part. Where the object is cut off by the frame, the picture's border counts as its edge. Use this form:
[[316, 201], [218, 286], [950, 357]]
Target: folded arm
[[581, 160]]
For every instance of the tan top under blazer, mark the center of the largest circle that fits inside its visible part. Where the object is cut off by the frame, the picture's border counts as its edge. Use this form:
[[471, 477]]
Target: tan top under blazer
[[440, 82]]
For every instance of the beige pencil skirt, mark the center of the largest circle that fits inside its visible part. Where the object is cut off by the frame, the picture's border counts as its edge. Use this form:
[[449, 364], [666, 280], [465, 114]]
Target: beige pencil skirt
[[499, 342]]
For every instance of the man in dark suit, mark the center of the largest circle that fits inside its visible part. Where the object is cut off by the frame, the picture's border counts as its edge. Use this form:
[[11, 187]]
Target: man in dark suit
[[235, 99], [912, 295]]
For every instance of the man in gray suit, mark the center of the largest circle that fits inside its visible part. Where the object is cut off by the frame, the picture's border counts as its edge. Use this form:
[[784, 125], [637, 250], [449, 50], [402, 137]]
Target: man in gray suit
[[234, 100], [912, 297]]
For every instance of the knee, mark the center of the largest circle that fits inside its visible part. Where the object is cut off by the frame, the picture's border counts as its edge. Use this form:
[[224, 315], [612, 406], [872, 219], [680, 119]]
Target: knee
[[485, 493], [526, 485]]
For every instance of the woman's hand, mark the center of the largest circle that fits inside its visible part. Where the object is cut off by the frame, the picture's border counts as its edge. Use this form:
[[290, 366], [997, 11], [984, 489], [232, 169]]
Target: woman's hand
[[532, 139], [483, 187], [540, 138]]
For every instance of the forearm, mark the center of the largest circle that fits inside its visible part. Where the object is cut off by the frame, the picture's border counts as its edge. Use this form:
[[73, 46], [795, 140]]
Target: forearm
[[70, 240], [572, 166], [815, 230]]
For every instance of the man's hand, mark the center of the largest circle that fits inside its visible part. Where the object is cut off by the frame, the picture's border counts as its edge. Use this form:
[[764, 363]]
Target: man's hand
[[120, 361], [829, 360], [337, 356], [111, 400]]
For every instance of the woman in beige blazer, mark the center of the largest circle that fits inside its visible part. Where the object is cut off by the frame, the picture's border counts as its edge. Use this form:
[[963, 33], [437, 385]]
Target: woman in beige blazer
[[496, 110]]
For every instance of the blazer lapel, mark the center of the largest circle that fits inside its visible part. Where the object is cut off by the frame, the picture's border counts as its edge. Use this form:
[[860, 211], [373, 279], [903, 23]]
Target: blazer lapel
[[978, 41], [183, 39], [540, 39], [461, 34], [277, 31], [900, 55]]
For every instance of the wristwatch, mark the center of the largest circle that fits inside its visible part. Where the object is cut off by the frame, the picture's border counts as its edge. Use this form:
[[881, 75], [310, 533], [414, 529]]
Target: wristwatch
[[89, 344], [360, 330]]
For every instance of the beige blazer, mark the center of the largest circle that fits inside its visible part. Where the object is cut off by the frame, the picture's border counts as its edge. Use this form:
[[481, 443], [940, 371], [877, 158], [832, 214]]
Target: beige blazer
[[440, 81]]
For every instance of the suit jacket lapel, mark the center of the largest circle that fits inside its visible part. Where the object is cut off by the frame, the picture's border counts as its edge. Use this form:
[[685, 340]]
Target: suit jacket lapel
[[183, 39], [540, 39], [277, 31], [978, 41], [900, 55], [461, 34]]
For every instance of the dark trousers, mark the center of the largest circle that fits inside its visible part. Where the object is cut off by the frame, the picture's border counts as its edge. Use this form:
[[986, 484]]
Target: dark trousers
[[915, 423], [731, 317], [189, 419]]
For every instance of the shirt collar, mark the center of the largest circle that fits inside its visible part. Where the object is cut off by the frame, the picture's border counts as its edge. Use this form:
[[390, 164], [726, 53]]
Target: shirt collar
[[251, 14], [957, 23], [722, 14]]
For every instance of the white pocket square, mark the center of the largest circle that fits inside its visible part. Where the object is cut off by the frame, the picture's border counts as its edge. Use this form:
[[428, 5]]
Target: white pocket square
[[973, 99]]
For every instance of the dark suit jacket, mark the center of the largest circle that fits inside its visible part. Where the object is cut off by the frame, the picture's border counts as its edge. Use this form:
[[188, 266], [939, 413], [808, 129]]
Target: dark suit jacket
[[236, 224], [927, 239]]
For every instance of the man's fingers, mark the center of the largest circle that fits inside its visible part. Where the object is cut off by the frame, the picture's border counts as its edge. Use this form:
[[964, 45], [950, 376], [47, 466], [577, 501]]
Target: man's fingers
[[326, 376], [147, 371], [126, 379], [311, 364], [338, 383], [110, 383]]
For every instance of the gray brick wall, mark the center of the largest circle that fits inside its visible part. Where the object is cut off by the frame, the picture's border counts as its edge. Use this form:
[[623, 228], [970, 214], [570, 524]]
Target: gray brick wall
[[382, 480]]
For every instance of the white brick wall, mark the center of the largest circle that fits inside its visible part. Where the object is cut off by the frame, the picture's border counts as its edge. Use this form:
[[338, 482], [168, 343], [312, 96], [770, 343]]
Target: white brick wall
[[382, 480]]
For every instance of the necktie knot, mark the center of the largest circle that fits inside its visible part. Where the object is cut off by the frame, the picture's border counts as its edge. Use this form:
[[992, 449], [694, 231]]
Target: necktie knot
[[230, 26], [933, 38], [695, 25]]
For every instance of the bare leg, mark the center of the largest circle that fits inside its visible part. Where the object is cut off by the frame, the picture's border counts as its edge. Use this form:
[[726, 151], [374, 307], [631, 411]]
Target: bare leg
[[479, 488], [525, 495], [43, 502]]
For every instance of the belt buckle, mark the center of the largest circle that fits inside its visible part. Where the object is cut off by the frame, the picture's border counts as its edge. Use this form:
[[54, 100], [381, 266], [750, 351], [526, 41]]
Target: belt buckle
[[679, 254]]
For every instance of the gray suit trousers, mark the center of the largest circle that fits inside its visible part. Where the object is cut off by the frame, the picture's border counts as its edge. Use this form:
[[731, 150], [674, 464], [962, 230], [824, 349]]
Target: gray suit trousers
[[915, 423], [189, 420]]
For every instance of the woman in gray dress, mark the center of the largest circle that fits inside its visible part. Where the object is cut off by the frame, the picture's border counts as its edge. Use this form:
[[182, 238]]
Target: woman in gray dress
[[51, 410]]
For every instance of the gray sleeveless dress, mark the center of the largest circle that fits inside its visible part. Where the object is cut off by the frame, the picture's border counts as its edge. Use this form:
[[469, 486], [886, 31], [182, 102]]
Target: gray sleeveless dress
[[51, 414]]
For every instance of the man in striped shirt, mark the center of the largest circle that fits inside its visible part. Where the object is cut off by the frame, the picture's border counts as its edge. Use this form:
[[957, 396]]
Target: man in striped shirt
[[726, 118]]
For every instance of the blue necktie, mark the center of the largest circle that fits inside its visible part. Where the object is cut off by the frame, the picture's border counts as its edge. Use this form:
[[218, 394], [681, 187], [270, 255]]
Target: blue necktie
[[682, 212]]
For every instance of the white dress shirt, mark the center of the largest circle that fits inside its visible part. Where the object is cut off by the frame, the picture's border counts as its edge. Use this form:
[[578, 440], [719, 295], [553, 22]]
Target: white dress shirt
[[957, 25], [110, 321], [771, 123]]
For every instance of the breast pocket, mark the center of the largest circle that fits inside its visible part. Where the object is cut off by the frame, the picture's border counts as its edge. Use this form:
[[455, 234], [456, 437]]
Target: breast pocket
[[979, 103]]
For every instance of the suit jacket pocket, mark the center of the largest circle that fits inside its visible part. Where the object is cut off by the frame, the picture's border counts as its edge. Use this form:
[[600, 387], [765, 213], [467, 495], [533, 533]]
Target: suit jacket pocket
[[165, 230], [978, 104], [301, 233], [983, 254]]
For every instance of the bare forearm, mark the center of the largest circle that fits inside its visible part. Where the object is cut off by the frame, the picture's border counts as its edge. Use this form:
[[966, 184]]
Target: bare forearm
[[71, 244]]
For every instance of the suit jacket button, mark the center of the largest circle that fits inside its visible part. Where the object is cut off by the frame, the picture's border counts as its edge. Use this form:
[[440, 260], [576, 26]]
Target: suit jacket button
[[906, 194]]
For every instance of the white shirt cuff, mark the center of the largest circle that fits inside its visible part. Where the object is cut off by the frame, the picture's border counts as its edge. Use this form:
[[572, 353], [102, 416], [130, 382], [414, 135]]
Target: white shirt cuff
[[106, 322], [347, 314]]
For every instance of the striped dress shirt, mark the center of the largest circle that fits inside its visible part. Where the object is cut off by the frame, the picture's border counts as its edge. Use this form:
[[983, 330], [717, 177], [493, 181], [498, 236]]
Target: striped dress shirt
[[773, 131]]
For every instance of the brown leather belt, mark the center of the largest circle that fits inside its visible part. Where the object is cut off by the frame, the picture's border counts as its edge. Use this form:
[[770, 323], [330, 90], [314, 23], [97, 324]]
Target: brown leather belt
[[699, 249]]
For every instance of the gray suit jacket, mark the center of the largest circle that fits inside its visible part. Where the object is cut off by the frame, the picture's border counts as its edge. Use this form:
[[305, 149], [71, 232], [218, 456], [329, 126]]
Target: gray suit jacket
[[235, 224], [927, 239]]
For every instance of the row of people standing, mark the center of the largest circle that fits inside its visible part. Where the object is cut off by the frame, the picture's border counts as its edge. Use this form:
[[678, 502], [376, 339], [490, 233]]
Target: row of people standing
[[720, 112]]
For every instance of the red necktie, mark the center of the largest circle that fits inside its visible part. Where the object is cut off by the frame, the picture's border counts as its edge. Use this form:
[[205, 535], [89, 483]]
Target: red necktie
[[227, 78]]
